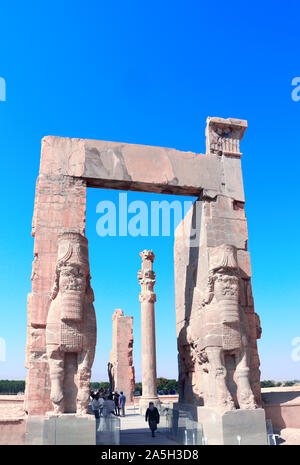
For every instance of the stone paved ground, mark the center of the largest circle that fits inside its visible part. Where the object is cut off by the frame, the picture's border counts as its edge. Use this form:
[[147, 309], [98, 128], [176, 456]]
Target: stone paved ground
[[289, 437], [135, 431]]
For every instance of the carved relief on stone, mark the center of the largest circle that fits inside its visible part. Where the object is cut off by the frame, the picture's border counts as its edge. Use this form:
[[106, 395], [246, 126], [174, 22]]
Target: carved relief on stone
[[192, 363], [258, 326], [71, 322], [223, 135], [71, 339], [223, 337], [186, 366], [146, 277]]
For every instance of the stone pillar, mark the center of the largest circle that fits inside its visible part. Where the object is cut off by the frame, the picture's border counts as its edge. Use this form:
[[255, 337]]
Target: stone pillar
[[120, 366], [217, 327], [146, 277], [60, 205]]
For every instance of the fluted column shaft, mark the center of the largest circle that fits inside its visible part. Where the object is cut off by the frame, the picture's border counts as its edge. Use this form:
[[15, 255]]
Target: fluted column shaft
[[146, 277]]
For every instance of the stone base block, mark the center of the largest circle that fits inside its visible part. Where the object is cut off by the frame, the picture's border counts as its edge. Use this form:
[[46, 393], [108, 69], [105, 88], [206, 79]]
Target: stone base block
[[244, 427], [66, 429], [144, 403]]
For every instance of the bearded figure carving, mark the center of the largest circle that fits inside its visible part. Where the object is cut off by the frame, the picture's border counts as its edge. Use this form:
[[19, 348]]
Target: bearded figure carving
[[233, 351], [71, 327], [220, 343]]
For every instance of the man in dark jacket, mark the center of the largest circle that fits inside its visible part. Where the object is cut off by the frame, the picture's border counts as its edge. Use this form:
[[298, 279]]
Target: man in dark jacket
[[152, 416], [117, 406]]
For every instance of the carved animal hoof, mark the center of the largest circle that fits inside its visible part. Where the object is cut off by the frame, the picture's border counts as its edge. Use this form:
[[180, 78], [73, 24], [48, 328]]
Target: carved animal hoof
[[248, 405], [58, 409], [81, 412], [247, 402], [81, 409], [227, 404], [230, 404], [223, 405]]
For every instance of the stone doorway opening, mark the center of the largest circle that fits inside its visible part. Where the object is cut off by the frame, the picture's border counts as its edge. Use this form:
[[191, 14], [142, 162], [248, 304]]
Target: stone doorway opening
[[212, 277], [115, 260]]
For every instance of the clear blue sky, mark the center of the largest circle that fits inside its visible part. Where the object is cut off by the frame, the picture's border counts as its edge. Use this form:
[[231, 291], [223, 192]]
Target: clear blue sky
[[151, 73]]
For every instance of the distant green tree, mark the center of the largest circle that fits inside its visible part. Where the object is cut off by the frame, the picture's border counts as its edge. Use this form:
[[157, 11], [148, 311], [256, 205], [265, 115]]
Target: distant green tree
[[11, 386], [161, 383], [172, 384], [289, 383], [268, 383], [96, 385]]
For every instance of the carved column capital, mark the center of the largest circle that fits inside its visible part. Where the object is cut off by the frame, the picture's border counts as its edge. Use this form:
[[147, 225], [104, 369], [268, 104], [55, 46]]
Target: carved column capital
[[146, 277], [223, 136]]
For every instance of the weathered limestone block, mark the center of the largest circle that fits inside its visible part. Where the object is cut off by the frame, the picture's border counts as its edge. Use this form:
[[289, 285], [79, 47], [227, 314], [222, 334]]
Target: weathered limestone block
[[37, 394], [66, 197], [244, 427], [65, 430], [145, 168], [71, 327], [120, 366], [216, 345], [222, 140], [217, 333]]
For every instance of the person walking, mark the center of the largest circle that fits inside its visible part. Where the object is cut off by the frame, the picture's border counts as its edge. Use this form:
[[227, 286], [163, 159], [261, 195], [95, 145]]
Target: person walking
[[122, 401], [152, 416], [116, 401], [101, 404]]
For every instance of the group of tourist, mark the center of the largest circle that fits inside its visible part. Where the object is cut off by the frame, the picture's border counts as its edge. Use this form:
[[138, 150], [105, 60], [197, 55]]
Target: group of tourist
[[106, 403]]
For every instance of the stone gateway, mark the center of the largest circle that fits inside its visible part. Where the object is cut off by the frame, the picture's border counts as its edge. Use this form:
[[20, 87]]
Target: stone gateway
[[217, 327]]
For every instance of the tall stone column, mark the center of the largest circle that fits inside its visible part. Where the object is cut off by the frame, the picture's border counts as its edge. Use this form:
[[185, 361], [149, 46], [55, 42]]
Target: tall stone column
[[146, 277]]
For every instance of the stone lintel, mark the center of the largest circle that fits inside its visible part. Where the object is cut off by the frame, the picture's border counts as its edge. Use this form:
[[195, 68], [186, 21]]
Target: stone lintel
[[117, 165]]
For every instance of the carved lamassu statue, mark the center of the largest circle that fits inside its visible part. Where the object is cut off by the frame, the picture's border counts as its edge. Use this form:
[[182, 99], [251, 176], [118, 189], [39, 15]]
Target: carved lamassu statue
[[71, 326], [220, 339]]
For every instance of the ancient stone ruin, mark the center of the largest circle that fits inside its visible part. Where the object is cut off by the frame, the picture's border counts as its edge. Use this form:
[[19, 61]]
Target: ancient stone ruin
[[217, 343], [120, 366], [217, 327], [146, 277], [71, 327]]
